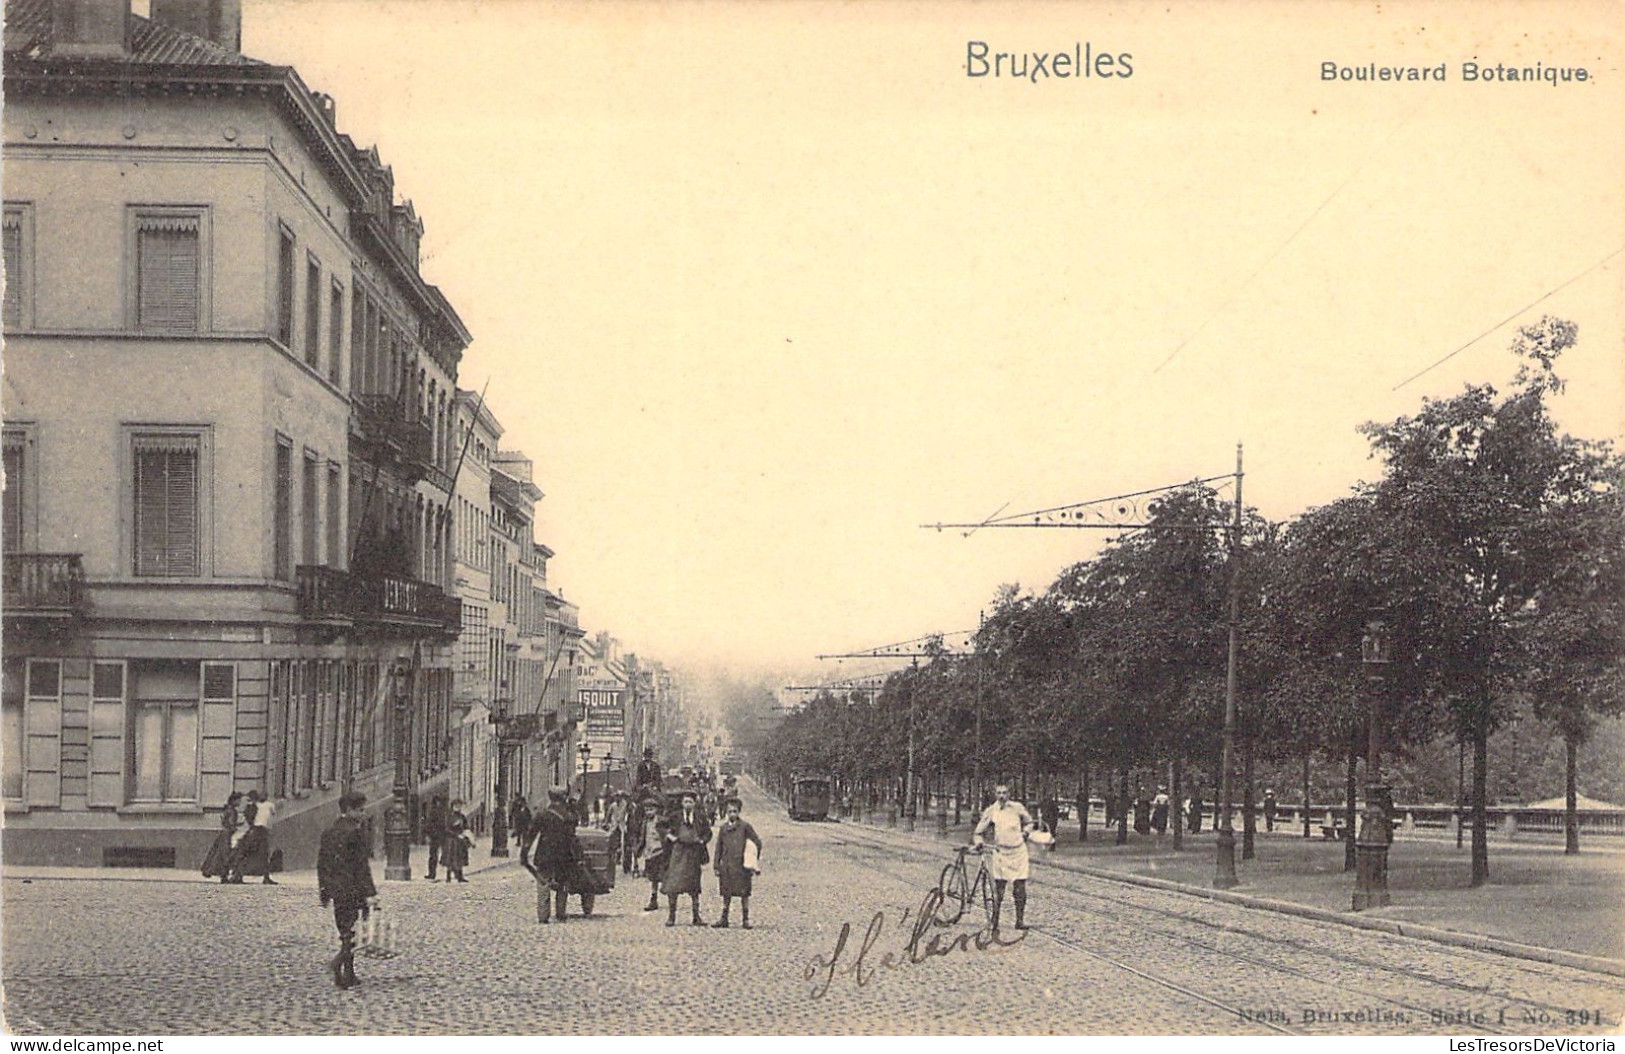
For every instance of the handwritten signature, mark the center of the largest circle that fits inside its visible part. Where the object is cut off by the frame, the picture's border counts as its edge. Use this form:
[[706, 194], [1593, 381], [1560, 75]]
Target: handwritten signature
[[915, 951]]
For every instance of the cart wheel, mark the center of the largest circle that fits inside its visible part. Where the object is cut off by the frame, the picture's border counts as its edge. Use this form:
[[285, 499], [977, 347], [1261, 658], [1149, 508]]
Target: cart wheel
[[586, 905]]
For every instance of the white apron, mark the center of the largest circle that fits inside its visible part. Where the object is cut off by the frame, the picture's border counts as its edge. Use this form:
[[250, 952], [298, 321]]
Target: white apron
[[1009, 863]]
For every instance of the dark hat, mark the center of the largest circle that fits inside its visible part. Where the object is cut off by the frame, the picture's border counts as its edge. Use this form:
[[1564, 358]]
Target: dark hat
[[557, 794], [648, 752]]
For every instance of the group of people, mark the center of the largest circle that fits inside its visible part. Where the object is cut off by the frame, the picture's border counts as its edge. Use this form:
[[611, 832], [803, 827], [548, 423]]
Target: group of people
[[243, 845], [667, 838]]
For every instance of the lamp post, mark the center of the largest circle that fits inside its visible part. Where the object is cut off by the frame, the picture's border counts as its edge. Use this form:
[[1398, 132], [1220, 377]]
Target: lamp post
[[1371, 847], [499, 815], [397, 832], [1224, 871]]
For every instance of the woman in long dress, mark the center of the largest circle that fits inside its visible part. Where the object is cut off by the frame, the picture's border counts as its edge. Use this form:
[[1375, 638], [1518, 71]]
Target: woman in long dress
[[222, 858], [454, 853]]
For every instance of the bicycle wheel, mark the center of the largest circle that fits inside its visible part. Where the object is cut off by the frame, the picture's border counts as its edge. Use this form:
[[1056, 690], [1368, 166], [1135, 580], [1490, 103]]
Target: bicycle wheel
[[955, 895]]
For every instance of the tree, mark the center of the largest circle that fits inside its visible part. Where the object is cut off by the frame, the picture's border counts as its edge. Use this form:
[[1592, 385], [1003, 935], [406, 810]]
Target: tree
[[1575, 644], [1480, 493]]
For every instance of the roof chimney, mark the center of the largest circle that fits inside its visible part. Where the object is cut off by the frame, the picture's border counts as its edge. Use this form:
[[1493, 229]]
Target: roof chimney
[[90, 28], [219, 21]]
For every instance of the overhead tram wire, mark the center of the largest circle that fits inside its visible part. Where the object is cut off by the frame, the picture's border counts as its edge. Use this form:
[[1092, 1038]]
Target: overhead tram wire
[[1279, 249], [1533, 303]]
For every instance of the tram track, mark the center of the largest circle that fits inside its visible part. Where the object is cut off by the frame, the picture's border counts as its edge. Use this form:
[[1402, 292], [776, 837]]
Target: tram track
[[1104, 906], [1235, 1012]]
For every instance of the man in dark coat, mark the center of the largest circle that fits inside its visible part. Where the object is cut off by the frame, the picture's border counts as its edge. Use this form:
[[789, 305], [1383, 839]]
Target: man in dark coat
[[434, 831], [344, 879], [687, 837], [1195, 815], [648, 771], [519, 823], [553, 854]]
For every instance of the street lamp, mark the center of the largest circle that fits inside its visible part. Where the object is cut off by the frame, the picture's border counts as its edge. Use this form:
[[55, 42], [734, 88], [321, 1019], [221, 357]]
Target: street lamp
[[1371, 847], [499, 815], [397, 832]]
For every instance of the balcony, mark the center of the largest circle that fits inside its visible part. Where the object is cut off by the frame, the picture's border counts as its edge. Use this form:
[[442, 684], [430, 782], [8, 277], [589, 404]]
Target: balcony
[[390, 434], [394, 604], [44, 585]]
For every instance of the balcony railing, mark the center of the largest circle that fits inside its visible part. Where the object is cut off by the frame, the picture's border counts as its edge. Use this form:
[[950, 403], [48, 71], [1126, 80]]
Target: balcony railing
[[50, 585], [395, 434], [327, 594]]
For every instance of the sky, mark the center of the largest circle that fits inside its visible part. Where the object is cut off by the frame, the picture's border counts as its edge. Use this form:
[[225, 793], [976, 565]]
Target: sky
[[764, 288]]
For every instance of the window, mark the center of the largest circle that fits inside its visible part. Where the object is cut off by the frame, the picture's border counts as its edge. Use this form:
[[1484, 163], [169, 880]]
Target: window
[[167, 523], [163, 756], [16, 500], [18, 233], [284, 287], [169, 269], [282, 554], [310, 510], [335, 505], [313, 312], [335, 335]]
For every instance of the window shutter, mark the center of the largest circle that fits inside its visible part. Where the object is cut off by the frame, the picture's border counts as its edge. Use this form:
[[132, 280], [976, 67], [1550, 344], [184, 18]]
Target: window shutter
[[43, 717], [13, 238], [13, 497], [167, 268], [166, 505], [219, 727], [106, 734]]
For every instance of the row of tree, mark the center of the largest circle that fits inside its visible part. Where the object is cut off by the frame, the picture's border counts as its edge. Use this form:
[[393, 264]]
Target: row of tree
[[1492, 547]]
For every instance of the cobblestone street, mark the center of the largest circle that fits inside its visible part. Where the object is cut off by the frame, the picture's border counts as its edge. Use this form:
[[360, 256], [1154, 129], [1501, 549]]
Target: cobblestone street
[[98, 956]]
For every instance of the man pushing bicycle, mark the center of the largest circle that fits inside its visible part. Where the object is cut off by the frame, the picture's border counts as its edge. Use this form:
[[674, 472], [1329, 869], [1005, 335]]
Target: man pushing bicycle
[[1010, 824]]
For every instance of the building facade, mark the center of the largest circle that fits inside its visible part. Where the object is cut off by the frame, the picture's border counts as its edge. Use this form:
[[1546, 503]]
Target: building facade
[[233, 566]]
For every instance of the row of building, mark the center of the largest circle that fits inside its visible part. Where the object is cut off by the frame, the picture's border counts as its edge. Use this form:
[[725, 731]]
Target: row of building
[[255, 534]]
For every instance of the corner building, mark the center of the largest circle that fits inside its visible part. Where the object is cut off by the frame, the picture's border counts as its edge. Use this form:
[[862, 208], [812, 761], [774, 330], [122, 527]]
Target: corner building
[[229, 409]]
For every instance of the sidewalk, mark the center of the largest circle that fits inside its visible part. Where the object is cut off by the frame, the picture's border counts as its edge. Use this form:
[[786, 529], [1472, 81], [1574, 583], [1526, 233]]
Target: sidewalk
[[479, 860], [1535, 896]]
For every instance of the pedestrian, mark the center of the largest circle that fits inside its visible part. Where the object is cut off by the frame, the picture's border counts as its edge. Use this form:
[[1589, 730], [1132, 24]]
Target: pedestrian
[[454, 851], [524, 824], [648, 771], [686, 842], [731, 864], [1193, 812], [1010, 823], [632, 841], [434, 832], [1142, 812], [656, 823], [615, 817], [1269, 810], [254, 848], [1050, 811], [344, 879], [1159, 811], [221, 858], [519, 823], [553, 854]]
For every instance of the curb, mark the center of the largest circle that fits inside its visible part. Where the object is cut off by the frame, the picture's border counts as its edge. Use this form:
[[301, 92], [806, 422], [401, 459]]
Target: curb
[[1474, 942], [298, 879]]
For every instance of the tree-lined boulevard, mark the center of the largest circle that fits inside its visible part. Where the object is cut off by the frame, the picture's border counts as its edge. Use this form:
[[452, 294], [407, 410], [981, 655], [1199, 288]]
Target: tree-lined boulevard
[[1480, 575]]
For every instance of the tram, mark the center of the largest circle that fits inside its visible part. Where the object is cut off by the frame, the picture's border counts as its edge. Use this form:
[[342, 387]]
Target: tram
[[809, 797]]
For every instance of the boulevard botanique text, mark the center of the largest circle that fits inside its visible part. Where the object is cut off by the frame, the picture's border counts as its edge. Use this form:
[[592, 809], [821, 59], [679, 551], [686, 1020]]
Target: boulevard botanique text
[[1470, 72]]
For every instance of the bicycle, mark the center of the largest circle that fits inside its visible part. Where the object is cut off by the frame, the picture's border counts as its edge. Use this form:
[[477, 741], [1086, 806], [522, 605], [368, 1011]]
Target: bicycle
[[957, 890]]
